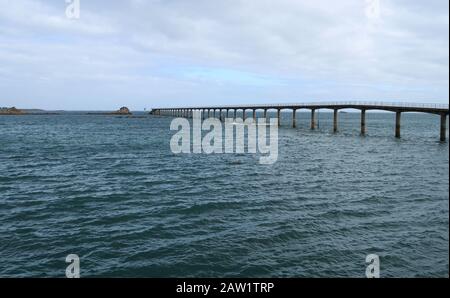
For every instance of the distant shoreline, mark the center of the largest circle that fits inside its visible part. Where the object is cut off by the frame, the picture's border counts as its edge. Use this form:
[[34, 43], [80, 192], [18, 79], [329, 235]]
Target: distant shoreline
[[13, 111]]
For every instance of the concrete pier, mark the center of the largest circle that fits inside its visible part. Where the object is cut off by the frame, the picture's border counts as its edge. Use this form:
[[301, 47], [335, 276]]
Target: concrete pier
[[254, 115], [443, 127], [398, 119], [294, 115], [313, 119], [279, 116], [363, 122], [442, 110], [335, 120]]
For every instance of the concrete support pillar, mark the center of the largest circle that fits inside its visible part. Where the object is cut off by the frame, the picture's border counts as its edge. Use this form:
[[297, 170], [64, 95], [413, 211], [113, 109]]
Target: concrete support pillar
[[243, 114], [398, 118], [254, 115], [234, 114], [265, 114], [227, 114], [220, 114], [335, 120], [443, 127], [279, 116], [294, 118], [313, 119], [363, 122]]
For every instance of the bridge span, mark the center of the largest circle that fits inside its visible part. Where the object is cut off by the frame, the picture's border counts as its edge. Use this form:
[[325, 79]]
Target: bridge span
[[441, 110]]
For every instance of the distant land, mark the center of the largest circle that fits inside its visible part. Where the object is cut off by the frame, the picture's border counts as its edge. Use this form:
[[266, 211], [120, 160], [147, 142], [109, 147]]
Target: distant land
[[123, 111], [11, 111]]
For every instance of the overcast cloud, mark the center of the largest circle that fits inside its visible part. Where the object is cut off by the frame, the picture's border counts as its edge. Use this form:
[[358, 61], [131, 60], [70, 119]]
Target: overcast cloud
[[174, 52]]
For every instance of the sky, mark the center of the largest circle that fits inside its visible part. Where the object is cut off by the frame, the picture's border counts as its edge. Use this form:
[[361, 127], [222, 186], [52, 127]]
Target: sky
[[173, 53]]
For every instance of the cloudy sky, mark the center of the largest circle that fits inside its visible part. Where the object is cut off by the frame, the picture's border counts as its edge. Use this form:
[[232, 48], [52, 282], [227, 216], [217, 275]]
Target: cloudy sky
[[148, 53]]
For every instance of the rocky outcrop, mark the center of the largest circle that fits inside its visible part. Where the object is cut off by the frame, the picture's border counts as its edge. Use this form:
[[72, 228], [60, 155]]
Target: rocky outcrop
[[11, 111], [122, 111]]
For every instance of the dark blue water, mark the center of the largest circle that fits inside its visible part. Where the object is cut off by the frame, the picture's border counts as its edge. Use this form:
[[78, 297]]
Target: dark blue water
[[110, 190]]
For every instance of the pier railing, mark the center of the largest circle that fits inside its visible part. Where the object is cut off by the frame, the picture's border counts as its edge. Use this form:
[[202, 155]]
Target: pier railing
[[336, 103]]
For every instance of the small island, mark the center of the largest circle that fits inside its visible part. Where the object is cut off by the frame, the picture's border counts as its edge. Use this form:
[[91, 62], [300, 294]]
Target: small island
[[121, 111], [11, 111]]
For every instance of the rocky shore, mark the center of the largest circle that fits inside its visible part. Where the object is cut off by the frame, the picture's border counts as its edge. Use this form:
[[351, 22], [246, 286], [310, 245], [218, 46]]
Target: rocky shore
[[11, 111]]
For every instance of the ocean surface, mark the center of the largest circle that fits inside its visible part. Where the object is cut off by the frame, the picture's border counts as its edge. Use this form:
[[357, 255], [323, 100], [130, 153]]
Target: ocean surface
[[110, 190]]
